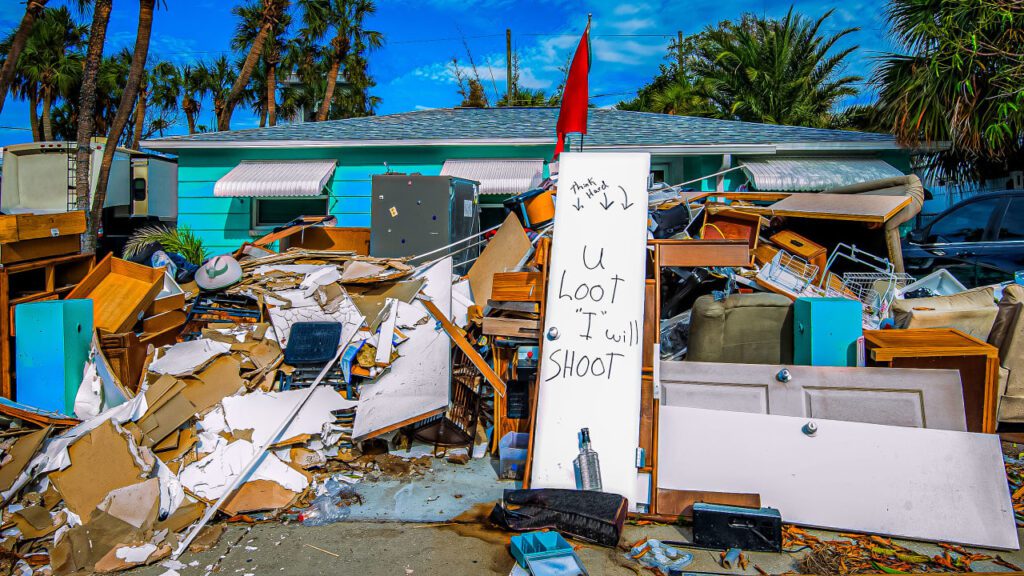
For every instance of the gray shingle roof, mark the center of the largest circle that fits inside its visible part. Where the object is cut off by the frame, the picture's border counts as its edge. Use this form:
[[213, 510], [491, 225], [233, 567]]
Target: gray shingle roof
[[605, 128]]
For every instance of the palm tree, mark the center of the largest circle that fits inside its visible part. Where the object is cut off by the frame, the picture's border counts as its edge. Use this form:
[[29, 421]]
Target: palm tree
[[251, 16], [124, 110], [272, 11], [305, 61], [345, 20], [217, 79], [960, 81], [774, 71], [33, 8], [191, 86], [87, 99], [165, 89], [51, 61]]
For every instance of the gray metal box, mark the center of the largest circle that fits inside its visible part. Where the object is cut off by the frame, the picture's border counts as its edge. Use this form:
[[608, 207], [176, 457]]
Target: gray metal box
[[415, 214]]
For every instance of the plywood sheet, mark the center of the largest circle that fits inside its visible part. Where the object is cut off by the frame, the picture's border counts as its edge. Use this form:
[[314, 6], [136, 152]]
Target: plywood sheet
[[933, 485], [862, 207], [891, 396], [590, 372], [504, 251]]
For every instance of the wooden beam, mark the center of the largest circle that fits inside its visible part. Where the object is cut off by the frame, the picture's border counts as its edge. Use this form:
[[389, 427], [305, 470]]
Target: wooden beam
[[456, 335]]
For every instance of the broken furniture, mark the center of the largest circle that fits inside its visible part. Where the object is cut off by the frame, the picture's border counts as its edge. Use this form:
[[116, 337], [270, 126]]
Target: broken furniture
[[1008, 336], [977, 362], [26, 237], [747, 328], [53, 344], [795, 244], [316, 233], [120, 290], [826, 331], [34, 281], [546, 553], [596, 517], [971, 312], [721, 527], [126, 354]]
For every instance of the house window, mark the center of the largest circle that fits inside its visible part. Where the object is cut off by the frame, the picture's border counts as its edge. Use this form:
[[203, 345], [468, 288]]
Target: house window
[[271, 212]]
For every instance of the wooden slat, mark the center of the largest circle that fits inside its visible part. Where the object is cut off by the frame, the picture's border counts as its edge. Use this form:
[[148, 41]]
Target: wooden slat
[[32, 226], [511, 327], [39, 248], [680, 502], [460, 340], [689, 253], [517, 286], [851, 207], [119, 290]]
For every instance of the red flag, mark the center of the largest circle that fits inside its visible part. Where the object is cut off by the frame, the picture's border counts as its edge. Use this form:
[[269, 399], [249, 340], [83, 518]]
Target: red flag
[[572, 116]]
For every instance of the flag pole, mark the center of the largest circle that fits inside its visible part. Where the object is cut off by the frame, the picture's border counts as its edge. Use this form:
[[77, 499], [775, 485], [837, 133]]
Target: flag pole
[[589, 16]]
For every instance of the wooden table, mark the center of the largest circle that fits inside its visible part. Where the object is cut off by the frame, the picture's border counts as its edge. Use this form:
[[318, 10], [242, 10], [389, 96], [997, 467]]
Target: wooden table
[[977, 362]]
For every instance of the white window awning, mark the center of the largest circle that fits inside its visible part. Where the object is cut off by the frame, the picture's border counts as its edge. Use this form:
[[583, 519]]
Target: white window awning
[[499, 175], [275, 178], [814, 174]]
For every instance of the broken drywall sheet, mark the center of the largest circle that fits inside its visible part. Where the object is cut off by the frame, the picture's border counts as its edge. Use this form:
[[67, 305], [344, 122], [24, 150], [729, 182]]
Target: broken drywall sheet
[[136, 504], [411, 316], [261, 412], [356, 270], [461, 301], [416, 385], [310, 311], [385, 344], [211, 477], [185, 358]]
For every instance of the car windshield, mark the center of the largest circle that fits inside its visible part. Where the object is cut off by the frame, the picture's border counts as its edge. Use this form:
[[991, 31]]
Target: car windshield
[[966, 223]]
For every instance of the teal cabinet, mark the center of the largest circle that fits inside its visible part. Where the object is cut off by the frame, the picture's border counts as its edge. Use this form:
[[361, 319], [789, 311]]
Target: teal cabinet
[[826, 331], [52, 345]]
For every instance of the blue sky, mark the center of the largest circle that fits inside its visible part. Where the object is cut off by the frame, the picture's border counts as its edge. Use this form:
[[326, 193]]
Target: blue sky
[[421, 36]]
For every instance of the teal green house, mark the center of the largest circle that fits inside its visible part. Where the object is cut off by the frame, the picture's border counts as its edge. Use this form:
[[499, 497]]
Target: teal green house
[[237, 185]]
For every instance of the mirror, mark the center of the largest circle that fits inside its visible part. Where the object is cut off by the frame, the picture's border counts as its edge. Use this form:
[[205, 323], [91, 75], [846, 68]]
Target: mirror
[[917, 236]]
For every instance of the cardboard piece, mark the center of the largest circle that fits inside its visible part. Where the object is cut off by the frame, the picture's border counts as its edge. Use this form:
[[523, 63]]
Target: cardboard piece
[[356, 270], [258, 495], [137, 504], [101, 461], [82, 547], [33, 522], [167, 409], [185, 358], [21, 454], [217, 381], [371, 301], [505, 251]]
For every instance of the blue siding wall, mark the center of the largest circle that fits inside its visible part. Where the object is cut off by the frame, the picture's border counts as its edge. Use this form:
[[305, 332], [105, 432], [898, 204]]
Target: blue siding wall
[[225, 223]]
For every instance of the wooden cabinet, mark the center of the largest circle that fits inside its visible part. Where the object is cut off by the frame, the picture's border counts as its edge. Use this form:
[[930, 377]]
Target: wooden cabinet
[[48, 279], [977, 362]]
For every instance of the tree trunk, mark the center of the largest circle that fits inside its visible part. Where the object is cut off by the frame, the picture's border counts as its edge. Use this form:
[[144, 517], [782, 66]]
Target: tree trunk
[[32, 11], [140, 119], [332, 81], [124, 110], [272, 94], [191, 118], [33, 114], [263, 119], [47, 120], [87, 112], [224, 117]]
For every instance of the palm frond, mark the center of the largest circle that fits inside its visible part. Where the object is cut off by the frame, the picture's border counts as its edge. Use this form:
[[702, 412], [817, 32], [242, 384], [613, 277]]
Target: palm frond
[[180, 240]]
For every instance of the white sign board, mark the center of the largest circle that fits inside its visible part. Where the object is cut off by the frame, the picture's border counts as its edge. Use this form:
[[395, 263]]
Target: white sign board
[[933, 485], [590, 370]]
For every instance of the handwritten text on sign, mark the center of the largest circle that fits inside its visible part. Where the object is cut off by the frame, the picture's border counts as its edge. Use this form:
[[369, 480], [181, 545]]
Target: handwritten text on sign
[[590, 372]]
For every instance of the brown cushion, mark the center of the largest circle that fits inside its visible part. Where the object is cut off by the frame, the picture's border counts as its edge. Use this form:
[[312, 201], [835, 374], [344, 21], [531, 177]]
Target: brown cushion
[[745, 328], [977, 298]]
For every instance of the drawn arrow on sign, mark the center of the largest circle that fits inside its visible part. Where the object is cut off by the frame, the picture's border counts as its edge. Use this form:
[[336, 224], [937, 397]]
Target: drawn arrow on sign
[[625, 202], [606, 204], [577, 205]]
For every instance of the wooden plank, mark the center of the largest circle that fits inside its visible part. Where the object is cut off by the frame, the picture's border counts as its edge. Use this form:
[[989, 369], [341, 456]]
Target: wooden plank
[[329, 238], [39, 248], [680, 502], [591, 366], [8, 228], [460, 340], [852, 207], [32, 226], [511, 327], [516, 287], [933, 485], [542, 259], [689, 253]]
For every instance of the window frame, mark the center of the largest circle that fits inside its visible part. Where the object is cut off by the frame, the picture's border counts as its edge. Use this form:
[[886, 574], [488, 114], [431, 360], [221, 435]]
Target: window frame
[[254, 210]]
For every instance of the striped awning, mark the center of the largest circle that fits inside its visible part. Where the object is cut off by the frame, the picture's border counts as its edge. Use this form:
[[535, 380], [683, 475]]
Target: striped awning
[[275, 178], [498, 176], [814, 174]]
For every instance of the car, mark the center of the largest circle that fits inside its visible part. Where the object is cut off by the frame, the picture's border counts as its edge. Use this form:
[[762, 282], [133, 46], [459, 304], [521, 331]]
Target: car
[[980, 240]]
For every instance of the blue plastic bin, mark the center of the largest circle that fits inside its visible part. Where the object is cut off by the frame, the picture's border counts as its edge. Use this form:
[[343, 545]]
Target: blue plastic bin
[[512, 450]]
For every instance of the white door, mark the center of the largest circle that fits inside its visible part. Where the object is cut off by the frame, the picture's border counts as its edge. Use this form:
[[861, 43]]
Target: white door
[[932, 485], [590, 369], [893, 396]]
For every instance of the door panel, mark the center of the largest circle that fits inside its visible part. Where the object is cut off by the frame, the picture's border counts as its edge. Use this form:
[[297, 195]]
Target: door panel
[[891, 396]]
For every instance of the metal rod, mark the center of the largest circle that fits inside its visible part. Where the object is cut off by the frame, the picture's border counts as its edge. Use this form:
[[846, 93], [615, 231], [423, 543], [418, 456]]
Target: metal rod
[[418, 256]]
